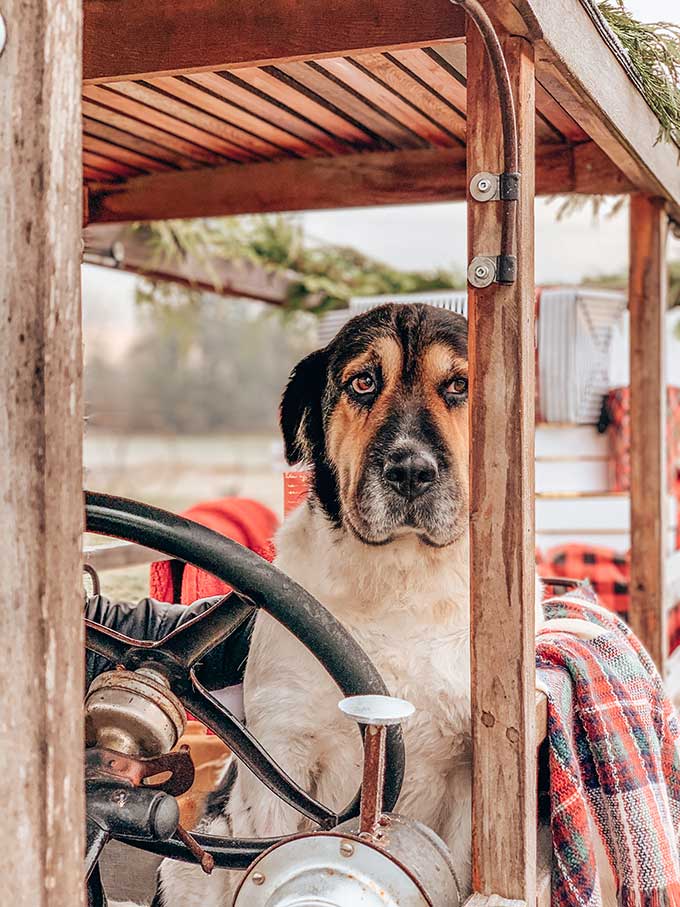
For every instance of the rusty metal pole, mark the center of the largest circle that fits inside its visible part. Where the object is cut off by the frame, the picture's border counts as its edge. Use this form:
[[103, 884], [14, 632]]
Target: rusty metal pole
[[41, 505]]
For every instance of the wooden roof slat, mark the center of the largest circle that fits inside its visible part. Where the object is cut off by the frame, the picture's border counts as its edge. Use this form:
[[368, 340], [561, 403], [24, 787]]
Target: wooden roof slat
[[201, 96], [412, 88], [224, 85], [231, 141], [278, 87], [346, 101], [383, 92], [121, 139], [143, 128], [126, 39], [109, 165], [434, 75], [118, 153]]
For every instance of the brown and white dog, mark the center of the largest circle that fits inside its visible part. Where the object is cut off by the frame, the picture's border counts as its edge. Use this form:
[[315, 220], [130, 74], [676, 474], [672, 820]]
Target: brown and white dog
[[380, 415]]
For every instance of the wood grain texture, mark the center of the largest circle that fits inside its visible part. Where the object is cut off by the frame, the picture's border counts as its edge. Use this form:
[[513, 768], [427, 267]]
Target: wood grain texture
[[501, 353], [133, 38], [334, 92], [141, 146], [185, 119], [278, 88], [379, 178], [382, 91], [101, 110], [274, 138], [41, 504], [647, 304], [119, 153], [228, 87], [402, 81]]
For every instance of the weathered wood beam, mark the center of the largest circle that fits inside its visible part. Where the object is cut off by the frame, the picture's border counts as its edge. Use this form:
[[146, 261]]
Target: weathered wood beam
[[117, 246], [502, 555], [584, 76], [378, 178], [41, 503], [648, 480], [125, 39]]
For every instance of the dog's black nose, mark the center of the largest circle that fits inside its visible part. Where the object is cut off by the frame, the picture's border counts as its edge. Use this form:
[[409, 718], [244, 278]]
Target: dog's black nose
[[410, 473]]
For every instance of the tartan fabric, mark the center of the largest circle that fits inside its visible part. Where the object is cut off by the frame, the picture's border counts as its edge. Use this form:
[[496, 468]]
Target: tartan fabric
[[614, 750]]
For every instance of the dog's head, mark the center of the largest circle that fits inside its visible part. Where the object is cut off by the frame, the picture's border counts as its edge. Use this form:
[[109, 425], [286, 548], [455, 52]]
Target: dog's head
[[381, 416]]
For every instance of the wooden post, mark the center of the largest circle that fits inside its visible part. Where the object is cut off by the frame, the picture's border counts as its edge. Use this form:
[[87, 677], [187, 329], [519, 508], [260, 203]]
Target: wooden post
[[502, 500], [647, 303], [41, 504]]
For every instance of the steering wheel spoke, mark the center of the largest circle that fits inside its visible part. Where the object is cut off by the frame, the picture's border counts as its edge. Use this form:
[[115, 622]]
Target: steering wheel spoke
[[192, 641], [250, 751]]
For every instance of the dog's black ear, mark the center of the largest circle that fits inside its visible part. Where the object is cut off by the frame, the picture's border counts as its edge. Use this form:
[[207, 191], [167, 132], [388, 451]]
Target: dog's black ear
[[300, 412]]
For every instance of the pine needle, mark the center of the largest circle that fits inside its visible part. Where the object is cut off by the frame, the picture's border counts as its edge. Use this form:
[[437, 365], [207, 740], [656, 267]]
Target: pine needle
[[654, 51]]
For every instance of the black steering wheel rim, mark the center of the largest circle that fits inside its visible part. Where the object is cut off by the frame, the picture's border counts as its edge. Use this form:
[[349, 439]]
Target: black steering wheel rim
[[259, 585]]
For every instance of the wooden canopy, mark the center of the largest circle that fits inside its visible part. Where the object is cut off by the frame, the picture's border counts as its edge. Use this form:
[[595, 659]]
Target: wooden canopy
[[205, 108], [198, 108]]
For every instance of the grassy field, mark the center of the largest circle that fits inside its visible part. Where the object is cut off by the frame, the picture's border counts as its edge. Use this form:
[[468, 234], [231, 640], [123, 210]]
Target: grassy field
[[176, 472]]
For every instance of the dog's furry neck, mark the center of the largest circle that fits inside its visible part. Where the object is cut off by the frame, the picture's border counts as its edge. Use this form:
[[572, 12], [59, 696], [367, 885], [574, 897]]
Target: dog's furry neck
[[360, 582]]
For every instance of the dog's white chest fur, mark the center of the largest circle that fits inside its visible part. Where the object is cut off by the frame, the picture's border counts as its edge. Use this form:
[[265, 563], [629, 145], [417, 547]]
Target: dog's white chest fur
[[405, 603]]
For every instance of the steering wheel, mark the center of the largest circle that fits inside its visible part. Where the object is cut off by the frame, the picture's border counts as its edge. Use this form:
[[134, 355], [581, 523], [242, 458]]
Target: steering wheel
[[258, 584]]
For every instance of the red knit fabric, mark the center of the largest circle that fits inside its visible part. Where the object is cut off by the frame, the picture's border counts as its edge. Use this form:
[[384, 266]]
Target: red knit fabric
[[247, 522]]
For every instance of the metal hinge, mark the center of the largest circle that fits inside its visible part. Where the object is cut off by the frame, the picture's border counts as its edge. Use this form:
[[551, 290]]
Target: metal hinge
[[484, 270], [495, 187]]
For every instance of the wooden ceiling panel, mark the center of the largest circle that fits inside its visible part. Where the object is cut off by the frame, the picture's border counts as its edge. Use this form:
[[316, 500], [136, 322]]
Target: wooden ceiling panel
[[213, 132], [115, 152], [331, 91], [419, 94], [364, 82], [99, 109], [249, 125], [280, 90], [127, 140], [405, 100], [225, 86]]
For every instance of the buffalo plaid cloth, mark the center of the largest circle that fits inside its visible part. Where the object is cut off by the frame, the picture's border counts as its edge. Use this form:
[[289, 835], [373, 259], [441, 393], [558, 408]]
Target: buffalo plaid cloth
[[614, 751], [608, 572]]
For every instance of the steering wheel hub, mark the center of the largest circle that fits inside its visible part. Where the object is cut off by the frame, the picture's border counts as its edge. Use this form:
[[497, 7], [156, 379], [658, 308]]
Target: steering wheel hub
[[133, 712]]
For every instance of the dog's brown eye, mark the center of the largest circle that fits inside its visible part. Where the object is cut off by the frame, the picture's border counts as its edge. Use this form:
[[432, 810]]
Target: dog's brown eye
[[363, 384], [457, 386]]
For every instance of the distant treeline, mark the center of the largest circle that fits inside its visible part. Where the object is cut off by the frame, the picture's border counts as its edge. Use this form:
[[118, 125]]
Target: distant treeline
[[220, 366]]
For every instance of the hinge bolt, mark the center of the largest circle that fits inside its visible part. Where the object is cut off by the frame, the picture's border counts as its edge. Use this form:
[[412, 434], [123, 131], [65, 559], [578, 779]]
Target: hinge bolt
[[346, 849], [484, 184], [257, 878]]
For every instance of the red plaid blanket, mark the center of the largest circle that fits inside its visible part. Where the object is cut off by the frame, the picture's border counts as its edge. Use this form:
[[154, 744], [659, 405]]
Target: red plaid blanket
[[614, 745]]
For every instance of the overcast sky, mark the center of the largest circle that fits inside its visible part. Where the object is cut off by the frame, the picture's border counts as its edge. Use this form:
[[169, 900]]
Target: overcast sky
[[432, 236]]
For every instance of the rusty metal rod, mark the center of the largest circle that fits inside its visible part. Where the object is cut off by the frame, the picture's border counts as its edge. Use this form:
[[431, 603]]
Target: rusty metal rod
[[480, 17]]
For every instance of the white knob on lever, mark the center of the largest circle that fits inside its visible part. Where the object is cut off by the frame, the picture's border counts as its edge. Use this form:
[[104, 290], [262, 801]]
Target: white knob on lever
[[385, 710], [377, 713]]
